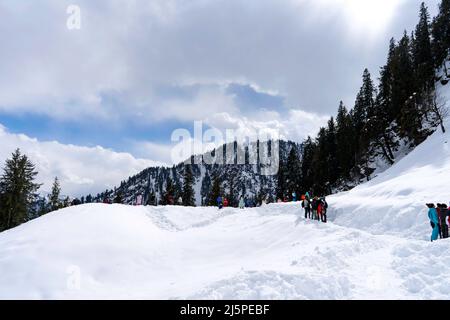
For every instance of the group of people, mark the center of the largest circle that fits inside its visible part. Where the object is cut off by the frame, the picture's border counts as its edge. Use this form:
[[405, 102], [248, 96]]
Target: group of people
[[315, 208], [223, 202], [439, 216]]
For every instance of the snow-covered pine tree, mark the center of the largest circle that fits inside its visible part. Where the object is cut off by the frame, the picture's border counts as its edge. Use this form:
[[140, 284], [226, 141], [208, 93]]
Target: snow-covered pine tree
[[118, 198], [281, 180], [55, 202], [215, 191], [293, 173], [205, 189], [188, 194], [168, 197]]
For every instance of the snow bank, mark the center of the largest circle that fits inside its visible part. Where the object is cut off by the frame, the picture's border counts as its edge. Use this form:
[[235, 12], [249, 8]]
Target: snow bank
[[120, 252]]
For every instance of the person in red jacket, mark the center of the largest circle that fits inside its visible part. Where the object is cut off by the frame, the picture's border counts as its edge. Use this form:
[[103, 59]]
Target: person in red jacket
[[319, 211], [225, 202]]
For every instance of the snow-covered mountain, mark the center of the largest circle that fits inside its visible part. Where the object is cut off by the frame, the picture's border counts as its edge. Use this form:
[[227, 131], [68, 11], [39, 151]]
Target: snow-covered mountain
[[244, 179]]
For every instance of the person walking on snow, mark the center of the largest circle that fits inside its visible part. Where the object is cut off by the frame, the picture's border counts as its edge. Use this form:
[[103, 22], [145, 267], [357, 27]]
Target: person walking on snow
[[314, 207], [219, 202], [438, 210], [324, 209], [307, 206], [319, 210], [225, 202], [241, 203], [443, 223], [433, 216]]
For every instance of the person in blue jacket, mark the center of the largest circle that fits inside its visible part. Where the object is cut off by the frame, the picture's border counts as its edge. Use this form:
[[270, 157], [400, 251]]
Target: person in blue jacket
[[434, 221], [219, 202]]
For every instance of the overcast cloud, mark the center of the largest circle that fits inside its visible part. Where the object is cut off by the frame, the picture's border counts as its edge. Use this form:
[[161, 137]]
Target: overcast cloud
[[250, 64]]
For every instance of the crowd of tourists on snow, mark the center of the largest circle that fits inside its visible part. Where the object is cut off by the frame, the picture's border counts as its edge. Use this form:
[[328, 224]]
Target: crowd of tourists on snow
[[315, 207]]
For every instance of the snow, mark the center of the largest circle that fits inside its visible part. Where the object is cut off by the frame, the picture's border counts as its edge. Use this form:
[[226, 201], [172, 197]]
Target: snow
[[376, 246], [125, 252]]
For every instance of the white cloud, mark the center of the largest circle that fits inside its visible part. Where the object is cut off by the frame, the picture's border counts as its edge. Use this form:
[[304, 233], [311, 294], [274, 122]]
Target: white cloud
[[128, 48], [206, 102], [295, 125], [151, 150], [82, 170]]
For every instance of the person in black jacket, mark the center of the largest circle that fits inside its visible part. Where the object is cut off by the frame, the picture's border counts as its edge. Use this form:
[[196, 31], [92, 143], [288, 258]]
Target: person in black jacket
[[444, 213], [324, 209], [314, 207]]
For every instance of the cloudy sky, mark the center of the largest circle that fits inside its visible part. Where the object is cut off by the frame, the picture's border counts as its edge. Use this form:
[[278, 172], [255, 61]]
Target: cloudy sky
[[97, 104]]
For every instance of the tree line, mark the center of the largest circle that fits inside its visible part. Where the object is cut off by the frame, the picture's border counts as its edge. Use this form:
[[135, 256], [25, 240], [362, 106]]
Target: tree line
[[398, 113]]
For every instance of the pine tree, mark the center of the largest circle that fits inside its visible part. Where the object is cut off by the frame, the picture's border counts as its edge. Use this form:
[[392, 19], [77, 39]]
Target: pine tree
[[293, 172], [17, 190], [344, 143], [309, 149], [405, 94], [188, 194], [215, 191], [385, 128], [43, 207], [169, 193], [320, 164], [382, 132], [441, 34], [151, 200], [66, 202], [364, 102], [177, 185], [421, 52], [232, 189], [281, 179], [55, 203], [205, 189], [76, 202], [364, 108], [331, 148], [118, 198]]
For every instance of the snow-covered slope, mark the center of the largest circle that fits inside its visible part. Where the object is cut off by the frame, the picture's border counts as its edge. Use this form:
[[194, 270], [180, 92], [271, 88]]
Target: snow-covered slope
[[114, 251], [394, 201]]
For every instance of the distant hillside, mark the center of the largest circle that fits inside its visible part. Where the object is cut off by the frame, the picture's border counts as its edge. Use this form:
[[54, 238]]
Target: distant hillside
[[235, 179]]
